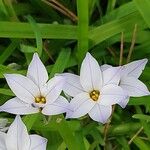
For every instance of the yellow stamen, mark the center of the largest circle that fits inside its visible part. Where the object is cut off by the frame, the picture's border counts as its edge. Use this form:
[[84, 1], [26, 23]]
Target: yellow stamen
[[94, 95], [40, 100]]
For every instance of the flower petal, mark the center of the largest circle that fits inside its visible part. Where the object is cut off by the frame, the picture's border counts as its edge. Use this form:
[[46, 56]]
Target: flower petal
[[2, 141], [134, 87], [38, 142], [80, 105], [124, 102], [100, 113], [90, 74], [111, 94], [16, 106], [72, 84], [22, 87], [104, 67], [134, 68], [57, 107], [37, 71], [17, 136], [53, 89], [112, 75]]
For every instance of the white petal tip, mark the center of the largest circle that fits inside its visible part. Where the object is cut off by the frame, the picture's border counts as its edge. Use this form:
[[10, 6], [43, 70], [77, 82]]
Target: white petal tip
[[35, 54], [6, 75], [88, 54], [123, 106], [69, 115], [145, 60], [103, 122], [18, 119]]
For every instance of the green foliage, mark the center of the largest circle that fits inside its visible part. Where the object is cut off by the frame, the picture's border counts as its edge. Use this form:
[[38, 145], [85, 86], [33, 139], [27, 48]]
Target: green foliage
[[62, 39]]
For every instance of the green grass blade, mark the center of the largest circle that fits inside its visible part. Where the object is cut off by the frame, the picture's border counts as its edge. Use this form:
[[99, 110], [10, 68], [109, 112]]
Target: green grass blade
[[37, 32], [141, 117], [83, 21], [6, 92], [69, 138], [29, 120], [103, 32], [9, 50], [140, 144], [48, 31], [61, 62], [144, 8]]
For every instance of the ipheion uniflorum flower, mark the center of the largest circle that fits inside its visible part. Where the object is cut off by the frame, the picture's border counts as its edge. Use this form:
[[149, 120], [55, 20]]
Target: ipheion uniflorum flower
[[17, 138], [129, 81], [93, 92], [34, 92]]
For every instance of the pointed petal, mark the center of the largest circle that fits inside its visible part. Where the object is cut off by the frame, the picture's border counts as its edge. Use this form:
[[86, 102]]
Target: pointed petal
[[111, 94], [104, 67], [135, 68], [80, 105], [134, 87], [17, 136], [2, 141], [90, 74], [53, 89], [100, 113], [123, 103], [37, 71], [57, 107], [72, 84], [38, 142], [22, 87], [16, 106], [112, 75]]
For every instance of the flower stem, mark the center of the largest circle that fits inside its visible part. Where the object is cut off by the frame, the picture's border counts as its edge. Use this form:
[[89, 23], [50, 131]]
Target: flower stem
[[132, 44], [107, 125], [137, 133]]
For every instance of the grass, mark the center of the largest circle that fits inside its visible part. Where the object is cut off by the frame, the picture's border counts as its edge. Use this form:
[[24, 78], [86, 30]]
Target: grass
[[62, 32]]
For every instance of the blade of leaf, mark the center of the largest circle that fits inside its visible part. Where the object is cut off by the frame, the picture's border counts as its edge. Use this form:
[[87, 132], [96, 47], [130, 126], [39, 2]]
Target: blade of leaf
[[37, 32], [61, 62], [29, 120], [83, 21], [105, 31], [6, 92], [143, 7], [9, 50], [140, 144], [141, 117], [48, 31]]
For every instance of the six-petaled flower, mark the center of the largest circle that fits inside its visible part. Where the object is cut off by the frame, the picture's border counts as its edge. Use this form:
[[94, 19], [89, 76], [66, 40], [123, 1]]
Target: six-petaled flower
[[94, 92], [129, 81], [17, 138], [34, 93]]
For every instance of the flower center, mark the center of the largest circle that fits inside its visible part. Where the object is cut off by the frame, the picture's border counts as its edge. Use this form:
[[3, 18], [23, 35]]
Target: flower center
[[94, 95], [40, 100]]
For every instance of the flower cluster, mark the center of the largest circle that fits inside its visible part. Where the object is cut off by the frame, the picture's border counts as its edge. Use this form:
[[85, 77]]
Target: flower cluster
[[94, 92], [99, 87]]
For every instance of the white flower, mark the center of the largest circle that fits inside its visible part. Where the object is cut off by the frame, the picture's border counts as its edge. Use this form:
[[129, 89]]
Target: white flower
[[17, 138], [129, 81], [34, 93], [94, 91]]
